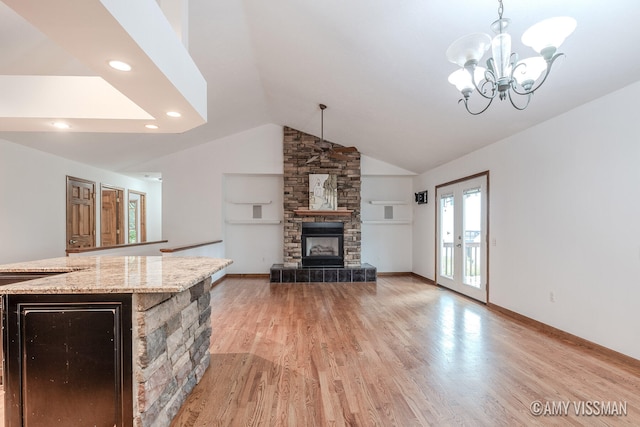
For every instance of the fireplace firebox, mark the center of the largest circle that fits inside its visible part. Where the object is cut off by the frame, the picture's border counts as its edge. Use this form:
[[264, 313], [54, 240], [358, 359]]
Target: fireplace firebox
[[322, 244]]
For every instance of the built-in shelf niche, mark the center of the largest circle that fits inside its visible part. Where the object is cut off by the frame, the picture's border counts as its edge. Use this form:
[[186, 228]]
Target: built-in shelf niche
[[253, 199], [253, 221], [384, 201]]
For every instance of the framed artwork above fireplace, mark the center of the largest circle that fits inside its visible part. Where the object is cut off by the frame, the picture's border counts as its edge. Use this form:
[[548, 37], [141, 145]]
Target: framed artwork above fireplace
[[323, 192]]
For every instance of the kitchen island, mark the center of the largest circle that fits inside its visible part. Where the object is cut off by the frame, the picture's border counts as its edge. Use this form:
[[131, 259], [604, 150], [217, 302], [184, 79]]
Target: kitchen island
[[105, 341]]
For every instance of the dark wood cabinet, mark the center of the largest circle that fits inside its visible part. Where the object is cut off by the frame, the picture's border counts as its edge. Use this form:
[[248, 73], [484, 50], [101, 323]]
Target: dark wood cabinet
[[68, 360]]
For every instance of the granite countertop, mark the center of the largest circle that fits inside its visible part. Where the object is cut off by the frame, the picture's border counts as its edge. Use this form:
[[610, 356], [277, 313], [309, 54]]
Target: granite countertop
[[112, 274]]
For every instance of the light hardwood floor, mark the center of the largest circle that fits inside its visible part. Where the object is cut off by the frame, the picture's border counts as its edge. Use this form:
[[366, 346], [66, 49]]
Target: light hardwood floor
[[396, 353]]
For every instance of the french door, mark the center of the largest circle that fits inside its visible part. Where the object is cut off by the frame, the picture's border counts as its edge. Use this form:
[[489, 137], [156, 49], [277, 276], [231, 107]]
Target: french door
[[461, 252]]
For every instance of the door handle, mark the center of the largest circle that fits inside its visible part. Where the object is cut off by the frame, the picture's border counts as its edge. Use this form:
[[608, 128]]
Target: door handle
[[71, 241], [459, 245]]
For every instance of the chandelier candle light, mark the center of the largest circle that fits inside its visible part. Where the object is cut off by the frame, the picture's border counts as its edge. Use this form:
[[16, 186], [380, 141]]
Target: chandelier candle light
[[505, 75]]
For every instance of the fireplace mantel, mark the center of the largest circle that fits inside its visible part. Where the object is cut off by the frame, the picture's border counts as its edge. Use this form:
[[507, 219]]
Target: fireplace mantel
[[309, 212]]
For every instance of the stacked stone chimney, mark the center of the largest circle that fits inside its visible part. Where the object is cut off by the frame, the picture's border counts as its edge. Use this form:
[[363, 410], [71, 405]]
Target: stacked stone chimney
[[306, 154]]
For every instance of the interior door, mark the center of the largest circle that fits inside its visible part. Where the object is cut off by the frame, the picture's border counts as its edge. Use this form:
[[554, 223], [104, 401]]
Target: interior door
[[81, 228], [111, 216], [142, 215], [137, 214], [462, 236]]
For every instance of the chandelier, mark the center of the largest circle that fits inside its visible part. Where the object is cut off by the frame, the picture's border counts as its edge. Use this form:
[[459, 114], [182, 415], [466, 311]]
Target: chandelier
[[505, 75]]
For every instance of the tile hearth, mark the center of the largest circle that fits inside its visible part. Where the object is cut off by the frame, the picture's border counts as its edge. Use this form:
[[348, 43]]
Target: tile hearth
[[282, 274]]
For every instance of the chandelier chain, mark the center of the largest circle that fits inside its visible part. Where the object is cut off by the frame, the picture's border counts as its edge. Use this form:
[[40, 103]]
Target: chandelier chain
[[500, 9]]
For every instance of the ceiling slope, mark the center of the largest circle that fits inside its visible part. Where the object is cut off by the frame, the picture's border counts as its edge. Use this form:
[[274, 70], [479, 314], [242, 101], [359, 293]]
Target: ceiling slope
[[379, 66]]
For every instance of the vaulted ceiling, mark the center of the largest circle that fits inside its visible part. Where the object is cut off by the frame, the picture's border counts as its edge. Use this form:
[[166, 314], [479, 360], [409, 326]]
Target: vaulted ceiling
[[379, 66]]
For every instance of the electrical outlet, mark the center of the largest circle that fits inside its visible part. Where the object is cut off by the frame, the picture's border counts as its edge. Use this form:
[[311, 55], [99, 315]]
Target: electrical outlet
[[552, 297]]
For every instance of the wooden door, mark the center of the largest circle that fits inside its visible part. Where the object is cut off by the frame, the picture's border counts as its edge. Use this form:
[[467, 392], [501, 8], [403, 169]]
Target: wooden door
[[81, 219], [111, 216], [137, 209], [142, 229]]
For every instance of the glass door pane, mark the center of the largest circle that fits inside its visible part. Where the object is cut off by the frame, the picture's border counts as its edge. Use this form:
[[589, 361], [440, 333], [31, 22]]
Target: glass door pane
[[472, 231], [133, 221], [447, 218]]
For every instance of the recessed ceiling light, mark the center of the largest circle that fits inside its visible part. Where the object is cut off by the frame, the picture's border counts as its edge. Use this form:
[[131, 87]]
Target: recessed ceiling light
[[151, 126], [173, 114], [120, 66], [61, 125]]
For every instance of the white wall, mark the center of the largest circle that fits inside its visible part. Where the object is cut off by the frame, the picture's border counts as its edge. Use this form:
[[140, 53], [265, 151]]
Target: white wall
[[565, 216], [254, 245], [33, 201], [214, 250], [199, 183], [193, 189], [386, 244]]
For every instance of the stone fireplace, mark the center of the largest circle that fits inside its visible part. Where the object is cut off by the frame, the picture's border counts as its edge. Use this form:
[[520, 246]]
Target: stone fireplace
[[305, 154]]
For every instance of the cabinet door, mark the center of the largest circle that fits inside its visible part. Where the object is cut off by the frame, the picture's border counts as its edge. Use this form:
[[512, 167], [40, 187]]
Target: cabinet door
[[70, 365]]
